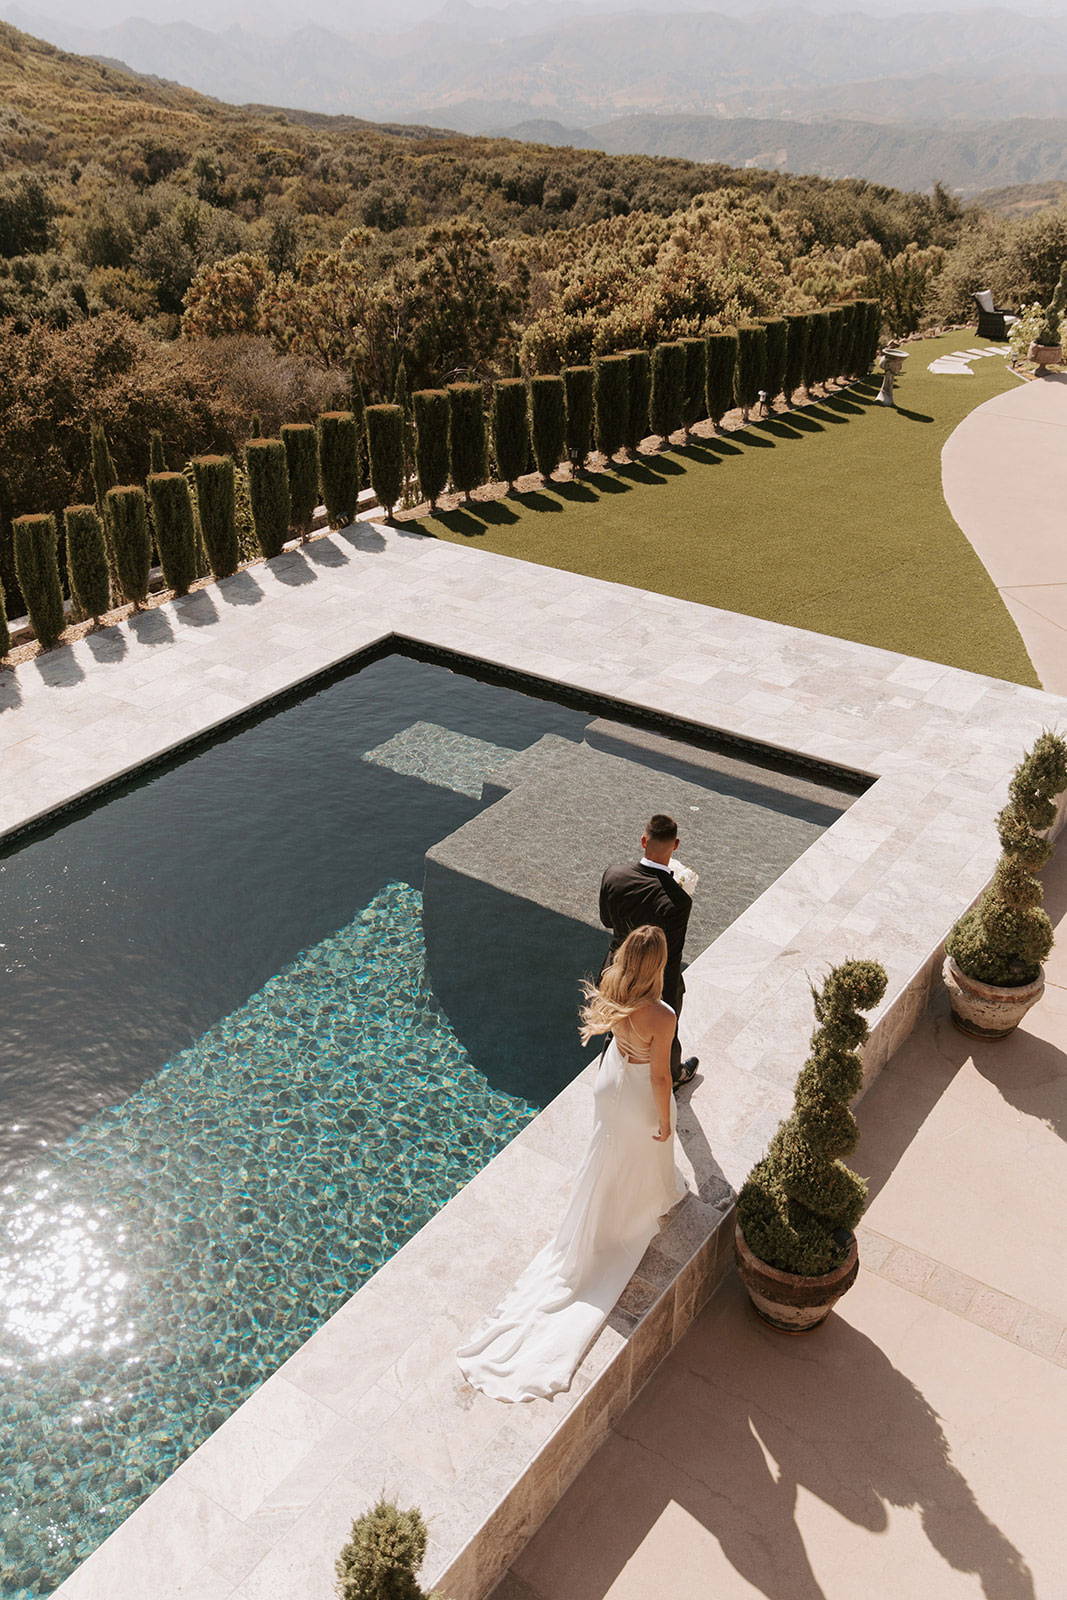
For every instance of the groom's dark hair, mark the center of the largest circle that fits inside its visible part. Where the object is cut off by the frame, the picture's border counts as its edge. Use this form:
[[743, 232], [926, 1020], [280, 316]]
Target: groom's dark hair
[[661, 828]]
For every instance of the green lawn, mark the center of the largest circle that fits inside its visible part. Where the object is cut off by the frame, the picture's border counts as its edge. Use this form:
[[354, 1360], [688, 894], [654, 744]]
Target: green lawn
[[830, 518]]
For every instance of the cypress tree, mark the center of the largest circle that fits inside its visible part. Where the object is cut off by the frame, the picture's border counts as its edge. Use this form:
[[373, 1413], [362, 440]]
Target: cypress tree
[[722, 370], [301, 443], [103, 468], [611, 401], [268, 490], [664, 398], [511, 429], [751, 365], [696, 381], [548, 416], [835, 323], [157, 461], [215, 480], [796, 352], [402, 398], [466, 418], [431, 442], [640, 395], [385, 449], [339, 466], [777, 344], [359, 411], [846, 351], [172, 517], [126, 515], [256, 431], [871, 335], [578, 388], [37, 566], [818, 349], [87, 560], [5, 632]]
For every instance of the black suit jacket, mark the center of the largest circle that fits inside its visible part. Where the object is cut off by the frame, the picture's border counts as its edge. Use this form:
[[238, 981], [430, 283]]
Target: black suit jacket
[[633, 896]]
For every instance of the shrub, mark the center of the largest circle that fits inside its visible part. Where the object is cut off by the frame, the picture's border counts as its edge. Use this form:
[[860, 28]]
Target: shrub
[[339, 466], [640, 397], [818, 349], [1007, 935], [431, 442], [126, 518], [511, 429], [466, 433], [835, 322], [172, 517], [548, 415], [103, 468], [696, 382], [667, 403], [751, 365], [796, 352], [358, 407], [37, 567], [157, 461], [5, 632], [301, 443], [611, 398], [214, 477], [800, 1205], [268, 490], [722, 367], [869, 337], [385, 450], [777, 346], [383, 1554], [848, 310], [87, 560], [578, 389]]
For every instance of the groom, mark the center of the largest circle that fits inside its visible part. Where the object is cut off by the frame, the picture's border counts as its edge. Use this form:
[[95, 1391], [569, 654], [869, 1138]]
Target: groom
[[631, 897]]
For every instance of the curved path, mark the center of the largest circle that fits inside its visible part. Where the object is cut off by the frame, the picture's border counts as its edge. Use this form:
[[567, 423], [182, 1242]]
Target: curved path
[[1004, 474]]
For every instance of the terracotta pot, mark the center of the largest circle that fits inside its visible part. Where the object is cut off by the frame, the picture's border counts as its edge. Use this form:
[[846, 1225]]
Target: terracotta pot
[[987, 1010], [1045, 354], [786, 1301]]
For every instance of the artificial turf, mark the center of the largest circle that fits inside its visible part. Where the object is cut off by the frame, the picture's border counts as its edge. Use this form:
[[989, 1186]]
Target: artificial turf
[[830, 517]]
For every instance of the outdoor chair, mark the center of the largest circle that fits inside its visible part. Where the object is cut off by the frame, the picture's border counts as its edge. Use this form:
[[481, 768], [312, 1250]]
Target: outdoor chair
[[993, 321]]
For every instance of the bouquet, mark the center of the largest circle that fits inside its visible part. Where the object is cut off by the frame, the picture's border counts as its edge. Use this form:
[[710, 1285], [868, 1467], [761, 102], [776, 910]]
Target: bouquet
[[685, 876]]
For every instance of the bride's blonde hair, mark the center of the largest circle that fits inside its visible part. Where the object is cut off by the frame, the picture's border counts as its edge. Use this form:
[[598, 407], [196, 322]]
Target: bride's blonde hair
[[633, 980]]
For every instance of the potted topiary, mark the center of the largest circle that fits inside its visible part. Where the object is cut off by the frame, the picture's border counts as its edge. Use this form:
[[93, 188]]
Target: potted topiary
[[994, 953], [797, 1210], [1044, 347], [383, 1555]]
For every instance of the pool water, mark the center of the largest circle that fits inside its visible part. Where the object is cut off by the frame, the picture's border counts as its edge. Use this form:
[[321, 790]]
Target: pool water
[[250, 1044]]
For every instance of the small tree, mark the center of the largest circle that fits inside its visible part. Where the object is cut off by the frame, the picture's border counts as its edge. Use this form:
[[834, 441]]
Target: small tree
[[548, 416], [37, 569], [383, 1555], [157, 460], [799, 1206], [640, 396], [339, 466], [385, 449], [126, 516], [722, 368], [172, 517], [301, 443], [5, 632], [611, 395], [103, 468], [818, 350], [694, 398], [402, 398], [1005, 937], [215, 480], [578, 388], [777, 348], [667, 400], [847, 355], [466, 419], [431, 442], [87, 560], [359, 412], [835, 320], [511, 429], [869, 336], [268, 490], [751, 365], [796, 352]]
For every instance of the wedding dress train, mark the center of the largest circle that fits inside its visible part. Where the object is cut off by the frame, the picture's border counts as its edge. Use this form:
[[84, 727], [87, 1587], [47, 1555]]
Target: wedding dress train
[[532, 1343]]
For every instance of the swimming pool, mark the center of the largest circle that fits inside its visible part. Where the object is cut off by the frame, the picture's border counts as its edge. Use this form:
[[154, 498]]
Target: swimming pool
[[265, 1010]]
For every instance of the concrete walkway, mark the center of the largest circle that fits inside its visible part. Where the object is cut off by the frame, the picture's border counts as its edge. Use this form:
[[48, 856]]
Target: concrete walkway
[[914, 1445], [1004, 475]]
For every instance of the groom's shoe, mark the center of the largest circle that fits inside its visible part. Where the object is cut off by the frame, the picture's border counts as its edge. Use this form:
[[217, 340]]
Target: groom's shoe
[[686, 1072]]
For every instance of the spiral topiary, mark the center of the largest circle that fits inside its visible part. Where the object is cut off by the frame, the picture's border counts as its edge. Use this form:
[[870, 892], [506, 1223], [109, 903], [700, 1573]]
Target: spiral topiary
[[385, 1551], [799, 1206], [1005, 937]]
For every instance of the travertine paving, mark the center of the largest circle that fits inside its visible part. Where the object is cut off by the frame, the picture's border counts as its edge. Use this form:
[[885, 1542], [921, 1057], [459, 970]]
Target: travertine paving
[[374, 1399]]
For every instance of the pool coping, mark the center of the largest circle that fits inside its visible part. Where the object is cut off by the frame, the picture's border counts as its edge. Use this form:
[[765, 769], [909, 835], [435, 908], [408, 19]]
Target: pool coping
[[373, 1400]]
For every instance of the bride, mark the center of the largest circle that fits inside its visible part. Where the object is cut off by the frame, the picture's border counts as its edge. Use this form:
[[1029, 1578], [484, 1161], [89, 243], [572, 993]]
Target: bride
[[532, 1343]]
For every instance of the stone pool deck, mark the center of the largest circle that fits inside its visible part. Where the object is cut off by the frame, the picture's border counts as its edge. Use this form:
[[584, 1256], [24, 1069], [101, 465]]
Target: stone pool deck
[[374, 1401], [913, 1446]]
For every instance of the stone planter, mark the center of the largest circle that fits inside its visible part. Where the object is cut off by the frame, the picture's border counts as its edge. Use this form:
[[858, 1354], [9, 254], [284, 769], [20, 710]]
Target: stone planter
[[1044, 355], [786, 1301], [986, 1010]]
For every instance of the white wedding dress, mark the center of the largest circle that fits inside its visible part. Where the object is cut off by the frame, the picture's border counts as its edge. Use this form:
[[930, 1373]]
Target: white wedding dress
[[532, 1343]]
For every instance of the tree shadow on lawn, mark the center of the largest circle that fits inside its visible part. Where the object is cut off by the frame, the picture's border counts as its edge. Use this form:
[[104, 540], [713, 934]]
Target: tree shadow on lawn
[[913, 416]]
